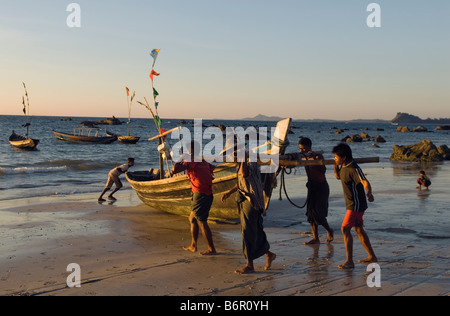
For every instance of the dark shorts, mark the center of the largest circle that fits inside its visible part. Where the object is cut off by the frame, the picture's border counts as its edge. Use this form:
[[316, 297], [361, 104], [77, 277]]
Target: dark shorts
[[201, 205]]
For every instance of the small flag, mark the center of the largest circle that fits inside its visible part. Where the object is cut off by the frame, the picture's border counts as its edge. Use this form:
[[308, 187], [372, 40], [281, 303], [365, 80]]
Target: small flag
[[154, 54], [128, 91], [134, 94], [153, 73], [24, 107], [158, 121], [156, 105], [155, 93]]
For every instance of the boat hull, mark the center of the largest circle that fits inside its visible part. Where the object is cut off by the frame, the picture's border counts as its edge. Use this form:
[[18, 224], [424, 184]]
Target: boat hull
[[128, 139], [22, 142], [174, 195], [124, 139], [84, 139]]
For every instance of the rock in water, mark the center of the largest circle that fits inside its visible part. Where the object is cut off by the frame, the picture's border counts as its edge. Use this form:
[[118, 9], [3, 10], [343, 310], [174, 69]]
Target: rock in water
[[423, 151]]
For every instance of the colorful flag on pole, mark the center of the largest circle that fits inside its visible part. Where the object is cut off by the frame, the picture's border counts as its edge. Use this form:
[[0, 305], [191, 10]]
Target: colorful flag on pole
[[153, 73], [154, 54], [155, 93], [158, 121], [134, 94], [128, 91]]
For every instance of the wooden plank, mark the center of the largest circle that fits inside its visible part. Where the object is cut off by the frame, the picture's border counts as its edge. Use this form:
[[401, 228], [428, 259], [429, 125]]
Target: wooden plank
[[323, 162], [163, 134]]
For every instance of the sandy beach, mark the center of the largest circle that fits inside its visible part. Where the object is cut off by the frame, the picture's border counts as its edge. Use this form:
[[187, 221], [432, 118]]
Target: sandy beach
[[129, 249]]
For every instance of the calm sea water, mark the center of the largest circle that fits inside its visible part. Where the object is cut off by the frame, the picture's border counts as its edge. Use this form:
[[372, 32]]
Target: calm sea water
[[63, 168]]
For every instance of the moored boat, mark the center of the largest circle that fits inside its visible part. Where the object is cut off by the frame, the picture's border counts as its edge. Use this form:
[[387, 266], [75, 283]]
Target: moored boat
[[23, 142], [19, 141], [124, 139], [85, 135]]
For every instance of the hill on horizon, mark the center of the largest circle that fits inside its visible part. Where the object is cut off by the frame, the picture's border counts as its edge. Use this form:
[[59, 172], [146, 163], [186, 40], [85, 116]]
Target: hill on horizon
[[406, 118]]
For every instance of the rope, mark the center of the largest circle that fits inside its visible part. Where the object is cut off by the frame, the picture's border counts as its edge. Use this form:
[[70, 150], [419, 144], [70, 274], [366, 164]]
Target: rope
[[283, 187]]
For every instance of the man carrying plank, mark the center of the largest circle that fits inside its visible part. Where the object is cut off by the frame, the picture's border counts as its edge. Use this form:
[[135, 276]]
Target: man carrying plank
[[318, 192]]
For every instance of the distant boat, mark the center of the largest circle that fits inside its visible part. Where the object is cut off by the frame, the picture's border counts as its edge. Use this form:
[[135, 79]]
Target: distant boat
[[23, 142], [128, 139], [124, 139], [85, 135], [19, 141]]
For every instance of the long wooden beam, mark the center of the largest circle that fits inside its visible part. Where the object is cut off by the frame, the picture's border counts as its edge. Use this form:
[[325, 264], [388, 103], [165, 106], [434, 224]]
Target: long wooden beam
[[323, 162]]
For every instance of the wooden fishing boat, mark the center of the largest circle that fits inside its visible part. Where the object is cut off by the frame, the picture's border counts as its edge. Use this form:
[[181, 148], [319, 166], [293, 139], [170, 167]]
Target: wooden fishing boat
[[173, 195], [19, 141], [23, 142], [124, 139], [85, 135]]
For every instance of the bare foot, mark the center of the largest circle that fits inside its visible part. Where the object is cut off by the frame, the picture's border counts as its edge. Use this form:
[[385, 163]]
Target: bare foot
[[190, 248], [346, 266], [245, 270], [312, 242], [209, 252], [330, 236], [270, 258], [368, 260]]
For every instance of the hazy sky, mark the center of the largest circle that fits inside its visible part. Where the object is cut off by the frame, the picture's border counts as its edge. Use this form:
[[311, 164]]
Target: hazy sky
[[227, 59]]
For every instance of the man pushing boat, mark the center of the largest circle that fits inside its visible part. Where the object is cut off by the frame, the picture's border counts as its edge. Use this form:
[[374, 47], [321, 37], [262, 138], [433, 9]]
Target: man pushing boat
[[113, 178]]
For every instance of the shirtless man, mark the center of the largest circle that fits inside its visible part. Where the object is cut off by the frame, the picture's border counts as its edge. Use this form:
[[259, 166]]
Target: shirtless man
[[113, 178]]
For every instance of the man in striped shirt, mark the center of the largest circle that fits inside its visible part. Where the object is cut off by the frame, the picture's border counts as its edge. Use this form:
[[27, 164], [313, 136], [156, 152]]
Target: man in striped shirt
[[355, 186]]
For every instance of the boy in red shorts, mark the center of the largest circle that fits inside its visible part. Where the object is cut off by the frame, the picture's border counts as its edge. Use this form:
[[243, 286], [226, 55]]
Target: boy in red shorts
[[355, 186]]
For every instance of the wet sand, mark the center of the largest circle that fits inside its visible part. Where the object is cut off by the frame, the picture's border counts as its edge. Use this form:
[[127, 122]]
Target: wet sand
[[128, 249]]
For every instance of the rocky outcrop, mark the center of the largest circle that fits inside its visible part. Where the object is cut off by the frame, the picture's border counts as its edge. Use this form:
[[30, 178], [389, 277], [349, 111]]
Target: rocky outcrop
[[423, 151], [403, 129], [107, 121], [444, 151], [420, 129], [379, 139]]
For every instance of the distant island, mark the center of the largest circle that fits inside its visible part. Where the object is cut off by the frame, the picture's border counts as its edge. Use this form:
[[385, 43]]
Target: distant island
[[406, 118], [265, 118], [400, 118]]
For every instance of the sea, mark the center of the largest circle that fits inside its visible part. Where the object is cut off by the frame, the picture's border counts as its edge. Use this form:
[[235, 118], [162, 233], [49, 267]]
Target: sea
[[66, 168]]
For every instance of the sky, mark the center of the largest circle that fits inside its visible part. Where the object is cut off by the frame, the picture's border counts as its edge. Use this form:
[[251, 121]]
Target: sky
[[228, 59]]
